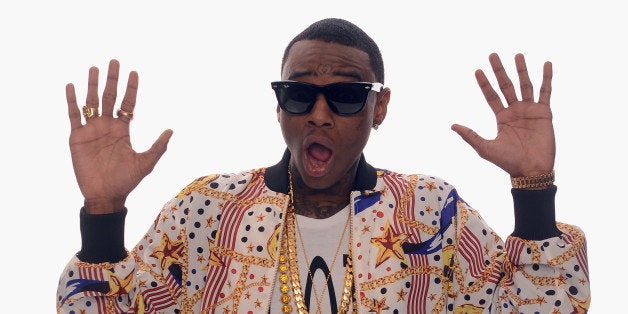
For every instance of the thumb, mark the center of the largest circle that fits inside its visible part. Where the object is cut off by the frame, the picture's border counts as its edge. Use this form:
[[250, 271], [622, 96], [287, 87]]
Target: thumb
[[470, 136], [150, 157]]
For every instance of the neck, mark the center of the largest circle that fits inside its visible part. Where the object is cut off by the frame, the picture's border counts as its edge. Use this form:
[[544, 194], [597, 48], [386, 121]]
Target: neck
[[322, 203]]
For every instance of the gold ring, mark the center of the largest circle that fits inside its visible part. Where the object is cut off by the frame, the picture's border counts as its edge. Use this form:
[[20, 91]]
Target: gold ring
[[121, 113], [90, 112]]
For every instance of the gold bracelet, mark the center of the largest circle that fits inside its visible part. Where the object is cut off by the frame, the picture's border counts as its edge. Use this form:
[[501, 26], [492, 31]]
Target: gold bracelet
[[539, 181]]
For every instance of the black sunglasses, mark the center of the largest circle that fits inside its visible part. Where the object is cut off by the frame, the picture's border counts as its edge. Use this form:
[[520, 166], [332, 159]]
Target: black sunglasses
[[344, 98]]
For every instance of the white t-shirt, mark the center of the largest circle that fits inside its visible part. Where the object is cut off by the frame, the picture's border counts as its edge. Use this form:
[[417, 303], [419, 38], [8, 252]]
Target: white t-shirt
[[322, 239]]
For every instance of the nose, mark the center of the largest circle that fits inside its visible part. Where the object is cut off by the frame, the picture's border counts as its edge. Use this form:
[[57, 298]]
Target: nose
[[321, 114]]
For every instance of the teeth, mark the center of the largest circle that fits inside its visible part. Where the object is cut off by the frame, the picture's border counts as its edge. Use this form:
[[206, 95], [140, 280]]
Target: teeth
[[318, 163]]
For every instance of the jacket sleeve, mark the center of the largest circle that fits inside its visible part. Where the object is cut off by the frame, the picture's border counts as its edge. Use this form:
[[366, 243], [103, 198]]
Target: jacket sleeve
[[541, 268], [101, 276], [106, 278]]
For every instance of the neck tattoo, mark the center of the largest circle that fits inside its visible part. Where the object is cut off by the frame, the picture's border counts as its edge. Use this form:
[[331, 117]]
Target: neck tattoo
[[323, 203]]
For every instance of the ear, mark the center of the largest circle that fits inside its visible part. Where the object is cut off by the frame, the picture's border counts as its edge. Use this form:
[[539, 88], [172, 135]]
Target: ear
[[381, 106], [278, 111]]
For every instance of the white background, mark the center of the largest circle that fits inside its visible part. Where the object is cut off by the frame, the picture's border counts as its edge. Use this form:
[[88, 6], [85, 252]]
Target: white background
[[205, 70]]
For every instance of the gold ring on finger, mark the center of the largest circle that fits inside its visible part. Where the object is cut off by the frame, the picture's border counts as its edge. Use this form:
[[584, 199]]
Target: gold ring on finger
[[90, 112], [121, 113]]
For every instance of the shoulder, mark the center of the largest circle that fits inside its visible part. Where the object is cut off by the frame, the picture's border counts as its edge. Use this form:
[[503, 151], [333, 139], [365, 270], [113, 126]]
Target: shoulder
[[230, 183], [418, 181], [214, 193]]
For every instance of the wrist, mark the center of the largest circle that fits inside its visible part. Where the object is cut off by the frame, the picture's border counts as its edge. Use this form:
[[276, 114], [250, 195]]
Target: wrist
[[103, 206]]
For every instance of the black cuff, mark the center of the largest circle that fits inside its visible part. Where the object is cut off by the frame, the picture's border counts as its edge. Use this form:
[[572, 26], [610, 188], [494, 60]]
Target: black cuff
[[535, 217], [102, 237]]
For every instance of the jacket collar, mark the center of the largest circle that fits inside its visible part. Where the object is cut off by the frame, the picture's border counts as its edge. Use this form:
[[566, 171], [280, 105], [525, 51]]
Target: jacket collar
[[276, 177]]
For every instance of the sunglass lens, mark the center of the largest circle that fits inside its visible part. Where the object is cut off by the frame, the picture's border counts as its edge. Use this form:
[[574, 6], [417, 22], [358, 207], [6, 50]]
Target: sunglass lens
[[295, 98], [347, 98]]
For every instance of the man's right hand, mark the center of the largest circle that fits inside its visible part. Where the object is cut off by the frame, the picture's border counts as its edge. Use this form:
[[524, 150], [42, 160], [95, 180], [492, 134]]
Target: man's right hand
[[106, 166]]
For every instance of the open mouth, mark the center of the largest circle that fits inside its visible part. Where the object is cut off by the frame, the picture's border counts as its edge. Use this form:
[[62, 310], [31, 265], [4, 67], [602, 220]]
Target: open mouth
[[318, 159]]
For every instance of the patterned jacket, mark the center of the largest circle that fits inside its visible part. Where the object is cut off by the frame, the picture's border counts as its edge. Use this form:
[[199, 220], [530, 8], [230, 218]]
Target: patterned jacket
[[417, 248]]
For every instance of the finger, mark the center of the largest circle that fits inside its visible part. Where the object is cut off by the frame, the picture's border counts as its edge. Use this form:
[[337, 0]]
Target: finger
[[471, 137], [492, 98], [111, 88], [128, 102], [92, 88], [152, 155], [505, 84], [546, 86], [527, 91], [73, 111]]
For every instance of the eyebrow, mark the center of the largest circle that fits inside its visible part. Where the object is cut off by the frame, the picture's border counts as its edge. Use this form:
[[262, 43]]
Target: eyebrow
[[296, 75]]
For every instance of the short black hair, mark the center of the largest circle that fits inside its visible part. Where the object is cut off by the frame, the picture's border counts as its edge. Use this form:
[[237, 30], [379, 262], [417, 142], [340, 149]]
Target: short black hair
[[335, 30]]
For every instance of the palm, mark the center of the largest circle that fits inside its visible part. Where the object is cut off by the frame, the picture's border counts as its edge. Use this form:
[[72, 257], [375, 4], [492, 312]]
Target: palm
[[107, 168], [105, 164], [524, 144], [524, 138]]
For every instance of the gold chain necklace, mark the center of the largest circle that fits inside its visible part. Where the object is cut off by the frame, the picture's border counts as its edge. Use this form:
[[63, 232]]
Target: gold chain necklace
[[288, 265], [316, 295]]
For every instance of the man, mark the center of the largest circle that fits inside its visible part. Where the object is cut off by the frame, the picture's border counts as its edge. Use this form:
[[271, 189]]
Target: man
[[323, 231]]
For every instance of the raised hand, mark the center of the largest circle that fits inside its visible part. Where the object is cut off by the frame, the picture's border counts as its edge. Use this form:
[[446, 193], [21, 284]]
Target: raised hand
[[525, 143], [106, 166]]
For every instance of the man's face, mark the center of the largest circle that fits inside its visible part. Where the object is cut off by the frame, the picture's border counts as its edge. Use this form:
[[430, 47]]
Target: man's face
[[325, 146]]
